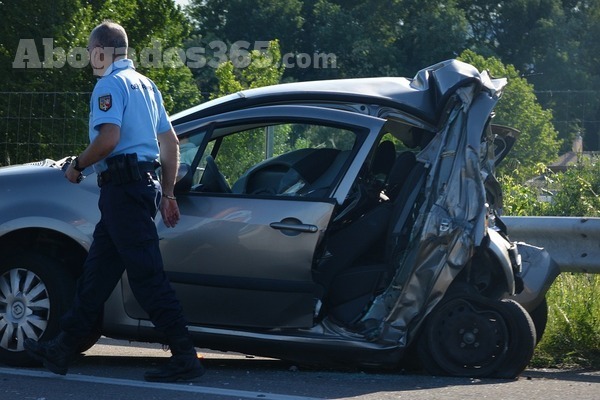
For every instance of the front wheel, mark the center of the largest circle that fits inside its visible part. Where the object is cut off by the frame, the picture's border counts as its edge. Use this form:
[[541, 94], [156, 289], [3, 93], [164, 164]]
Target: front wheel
[[35, 291], [477, 337], [522, 340]]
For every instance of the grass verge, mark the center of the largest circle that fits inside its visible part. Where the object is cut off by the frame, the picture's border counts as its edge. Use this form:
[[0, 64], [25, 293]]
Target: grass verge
[[572, 337]]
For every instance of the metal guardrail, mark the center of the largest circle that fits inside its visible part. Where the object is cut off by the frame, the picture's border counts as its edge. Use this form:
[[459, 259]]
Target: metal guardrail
[[573, 242]]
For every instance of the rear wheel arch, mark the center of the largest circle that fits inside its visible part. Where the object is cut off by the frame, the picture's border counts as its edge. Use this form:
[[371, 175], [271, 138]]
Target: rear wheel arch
[[501, 250], [66, 251], [486, 275]]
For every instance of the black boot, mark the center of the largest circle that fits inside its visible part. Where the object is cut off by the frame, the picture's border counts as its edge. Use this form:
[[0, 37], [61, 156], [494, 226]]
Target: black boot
[[182, 366], [55, 354]]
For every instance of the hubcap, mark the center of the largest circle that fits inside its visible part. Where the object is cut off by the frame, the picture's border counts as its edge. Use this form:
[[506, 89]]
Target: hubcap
[[18, 309], [24, 308]]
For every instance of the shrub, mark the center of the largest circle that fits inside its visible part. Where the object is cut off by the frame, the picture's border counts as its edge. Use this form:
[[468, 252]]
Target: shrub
[[572, 336]]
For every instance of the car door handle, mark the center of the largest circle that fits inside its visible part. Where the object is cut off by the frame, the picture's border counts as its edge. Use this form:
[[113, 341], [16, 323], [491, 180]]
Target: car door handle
[[296, 227]]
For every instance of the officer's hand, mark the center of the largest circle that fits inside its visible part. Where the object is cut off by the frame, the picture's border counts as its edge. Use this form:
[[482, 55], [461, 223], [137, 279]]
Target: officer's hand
[[73, 175], [169, 211]]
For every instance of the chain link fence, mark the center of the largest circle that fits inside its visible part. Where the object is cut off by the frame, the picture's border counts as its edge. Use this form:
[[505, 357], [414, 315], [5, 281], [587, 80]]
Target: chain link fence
[[575, 112], [35, 126]]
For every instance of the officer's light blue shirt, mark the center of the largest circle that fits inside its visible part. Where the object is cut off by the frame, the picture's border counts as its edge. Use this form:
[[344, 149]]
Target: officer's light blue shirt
[[128, 99]]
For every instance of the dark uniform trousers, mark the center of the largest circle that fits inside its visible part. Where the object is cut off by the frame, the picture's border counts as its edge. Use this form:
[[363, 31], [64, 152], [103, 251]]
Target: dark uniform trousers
[[126, 239]]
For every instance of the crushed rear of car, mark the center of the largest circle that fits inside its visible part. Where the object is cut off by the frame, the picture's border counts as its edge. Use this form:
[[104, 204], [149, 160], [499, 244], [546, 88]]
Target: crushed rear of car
[[350, 221]]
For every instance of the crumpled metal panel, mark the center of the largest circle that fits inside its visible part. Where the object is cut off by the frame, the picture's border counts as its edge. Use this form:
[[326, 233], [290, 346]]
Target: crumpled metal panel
[[450, 223]]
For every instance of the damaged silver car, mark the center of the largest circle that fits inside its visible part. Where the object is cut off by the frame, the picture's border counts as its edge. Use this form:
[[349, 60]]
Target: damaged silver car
[[355, 222]]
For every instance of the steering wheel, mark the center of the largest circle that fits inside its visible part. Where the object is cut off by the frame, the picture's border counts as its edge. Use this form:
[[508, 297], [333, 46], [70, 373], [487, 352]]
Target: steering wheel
[[212, 179]]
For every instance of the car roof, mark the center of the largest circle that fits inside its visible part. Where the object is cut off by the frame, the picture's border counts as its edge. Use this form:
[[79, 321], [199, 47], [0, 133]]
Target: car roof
[[423, 96]]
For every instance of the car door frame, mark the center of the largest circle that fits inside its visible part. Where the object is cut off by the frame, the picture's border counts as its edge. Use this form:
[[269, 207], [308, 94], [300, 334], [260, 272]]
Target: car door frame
[[293, 302], [300, 113]]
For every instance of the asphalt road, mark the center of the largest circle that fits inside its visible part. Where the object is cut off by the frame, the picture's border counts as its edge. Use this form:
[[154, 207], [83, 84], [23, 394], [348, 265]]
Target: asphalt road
[[113, 370]]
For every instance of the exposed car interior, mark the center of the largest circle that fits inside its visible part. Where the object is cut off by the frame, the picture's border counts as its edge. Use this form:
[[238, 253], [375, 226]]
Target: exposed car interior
[[355, 261], [362, 255], [299, 172], [286, 159], [386, 189]]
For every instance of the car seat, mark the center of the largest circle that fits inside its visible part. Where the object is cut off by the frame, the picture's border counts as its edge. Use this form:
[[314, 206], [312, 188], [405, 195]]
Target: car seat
[[383, 160], [399, 173], [324, 183], [404, 212], [360, 258]]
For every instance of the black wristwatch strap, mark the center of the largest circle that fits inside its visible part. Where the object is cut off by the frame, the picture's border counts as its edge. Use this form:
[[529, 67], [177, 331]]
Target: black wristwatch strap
[[76, 165]]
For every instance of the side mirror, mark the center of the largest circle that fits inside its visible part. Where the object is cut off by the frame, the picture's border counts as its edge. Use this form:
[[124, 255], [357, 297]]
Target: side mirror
[[504, 140]]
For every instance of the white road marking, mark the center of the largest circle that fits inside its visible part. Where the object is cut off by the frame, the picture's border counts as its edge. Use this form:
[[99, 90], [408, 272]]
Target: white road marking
[[176, 387]]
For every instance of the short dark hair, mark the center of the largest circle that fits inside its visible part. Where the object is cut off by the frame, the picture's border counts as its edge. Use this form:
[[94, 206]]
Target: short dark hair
[[110, 34]]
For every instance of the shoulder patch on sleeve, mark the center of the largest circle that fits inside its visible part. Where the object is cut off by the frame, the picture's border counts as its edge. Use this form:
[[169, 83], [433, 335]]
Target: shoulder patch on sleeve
[[105, 102]]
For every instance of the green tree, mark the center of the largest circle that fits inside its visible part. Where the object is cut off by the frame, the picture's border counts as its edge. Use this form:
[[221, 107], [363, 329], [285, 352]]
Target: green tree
[[538, 140], [576, 192], [554, 44], [363, 46], [36, 38], [430, 31], [49, 26], [571, 193], [572, 336], [259, 69], [66, 25], [368, 38], [360, 34], [588, 61], [248, 20], [156, 38], [221, 27], [56, 34]]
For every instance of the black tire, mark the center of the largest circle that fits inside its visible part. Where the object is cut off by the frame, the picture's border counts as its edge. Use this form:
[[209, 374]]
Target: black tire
[[35, 291], [521, 343], [476, 337], [539, 315]]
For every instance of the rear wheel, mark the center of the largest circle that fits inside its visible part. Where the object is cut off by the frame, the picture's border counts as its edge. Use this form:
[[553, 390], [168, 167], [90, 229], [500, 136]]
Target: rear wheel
[[477, 337], [521, 340], [34, 292]]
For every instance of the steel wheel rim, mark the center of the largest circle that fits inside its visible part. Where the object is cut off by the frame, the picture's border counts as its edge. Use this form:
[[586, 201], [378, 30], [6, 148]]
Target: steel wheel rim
[[466, 340], [24, 308]]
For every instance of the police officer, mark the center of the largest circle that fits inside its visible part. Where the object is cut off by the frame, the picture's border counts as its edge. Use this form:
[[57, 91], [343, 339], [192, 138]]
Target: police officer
[[128, 125]]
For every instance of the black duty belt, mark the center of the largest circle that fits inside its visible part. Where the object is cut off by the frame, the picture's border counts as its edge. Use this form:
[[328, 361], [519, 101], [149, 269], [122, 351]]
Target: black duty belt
[[143, 166]]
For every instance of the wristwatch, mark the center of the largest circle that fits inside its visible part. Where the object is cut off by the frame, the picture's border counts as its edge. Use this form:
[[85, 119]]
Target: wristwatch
[[76, 166]]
